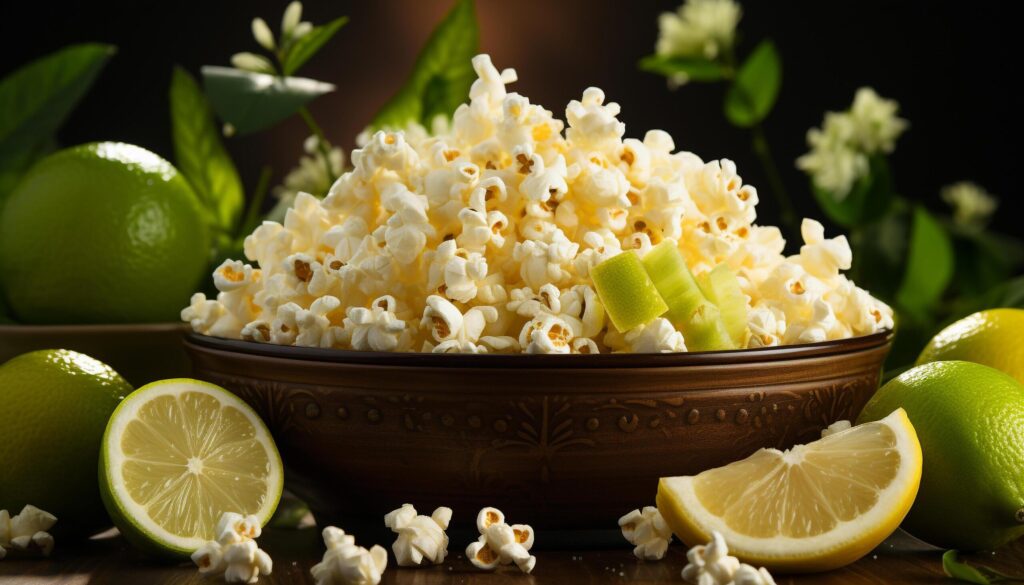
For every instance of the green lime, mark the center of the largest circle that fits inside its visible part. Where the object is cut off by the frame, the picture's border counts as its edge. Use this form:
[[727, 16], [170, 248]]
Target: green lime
[[178, 454], [989, 337], [970, 421], [102, 233], [55, 406]]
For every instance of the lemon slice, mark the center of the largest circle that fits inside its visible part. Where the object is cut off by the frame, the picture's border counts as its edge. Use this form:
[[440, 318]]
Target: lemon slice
[[814, 507], [176, 455]]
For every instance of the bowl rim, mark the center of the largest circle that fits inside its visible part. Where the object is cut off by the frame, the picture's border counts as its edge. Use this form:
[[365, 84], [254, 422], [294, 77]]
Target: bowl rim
[[93, 328], [608, 360]]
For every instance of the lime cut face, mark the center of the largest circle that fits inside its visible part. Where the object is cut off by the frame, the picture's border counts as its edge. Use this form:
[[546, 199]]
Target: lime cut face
[[180, 453]]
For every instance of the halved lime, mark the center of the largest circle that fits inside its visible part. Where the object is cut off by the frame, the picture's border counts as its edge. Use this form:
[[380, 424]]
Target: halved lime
[[177, 454]]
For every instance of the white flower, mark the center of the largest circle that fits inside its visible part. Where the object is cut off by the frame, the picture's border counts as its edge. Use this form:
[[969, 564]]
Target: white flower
[[26, 531], [699, 28], [376, 328], [455, 332], [712, 565], [876, 126], [234, 553], [647, 531], [972, 205], [501, 544], [833, 163], [658, 336], [261, 32], [420, 538], [841, 148], [344, 563], [252, 62], [314, 172]]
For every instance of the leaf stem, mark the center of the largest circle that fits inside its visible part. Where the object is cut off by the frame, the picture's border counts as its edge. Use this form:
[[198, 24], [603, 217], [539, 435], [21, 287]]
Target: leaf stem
[[255, 210], [325, 152], [764, 155]]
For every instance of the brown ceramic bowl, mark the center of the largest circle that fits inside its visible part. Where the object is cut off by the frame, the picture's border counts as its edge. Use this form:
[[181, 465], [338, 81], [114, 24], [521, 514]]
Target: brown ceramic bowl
[[141, 353], [559, 442]]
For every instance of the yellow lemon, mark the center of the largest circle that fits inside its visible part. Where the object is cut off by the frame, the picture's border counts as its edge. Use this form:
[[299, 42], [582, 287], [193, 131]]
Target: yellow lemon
[[814, 507], [991, 337]]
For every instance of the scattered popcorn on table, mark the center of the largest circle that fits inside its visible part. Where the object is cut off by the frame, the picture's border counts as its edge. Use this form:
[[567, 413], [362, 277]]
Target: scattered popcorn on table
[[501, 544], [420, 538], [648, 532], [26, 531], [344, 563], [234, 554], [479, 236], [711, 565]]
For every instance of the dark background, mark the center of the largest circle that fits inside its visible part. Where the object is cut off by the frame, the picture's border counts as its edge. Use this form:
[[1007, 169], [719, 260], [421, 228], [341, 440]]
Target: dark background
[[946, 63]]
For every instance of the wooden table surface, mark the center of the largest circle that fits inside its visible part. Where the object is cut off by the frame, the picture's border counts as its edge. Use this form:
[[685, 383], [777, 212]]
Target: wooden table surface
[[901, 559]]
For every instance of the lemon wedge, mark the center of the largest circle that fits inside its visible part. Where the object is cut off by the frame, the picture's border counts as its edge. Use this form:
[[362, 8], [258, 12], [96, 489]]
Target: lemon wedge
[[814, 507]]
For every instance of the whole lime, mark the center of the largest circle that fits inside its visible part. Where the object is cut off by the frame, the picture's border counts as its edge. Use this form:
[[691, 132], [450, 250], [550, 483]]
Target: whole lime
[[56, 404], [970, 421], [989, 337], [102, 233]]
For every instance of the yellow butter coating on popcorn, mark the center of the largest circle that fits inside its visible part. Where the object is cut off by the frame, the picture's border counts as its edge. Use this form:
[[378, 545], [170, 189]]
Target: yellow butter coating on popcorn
[[480, 237]]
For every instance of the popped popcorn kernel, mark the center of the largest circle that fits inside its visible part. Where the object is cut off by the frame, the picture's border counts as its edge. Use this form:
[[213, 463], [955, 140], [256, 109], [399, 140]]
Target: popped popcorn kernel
[[647, 531], [26, 531], [344, 563], [234, 554], [421, 539], [711, 565], [480, 235], [500, 543]]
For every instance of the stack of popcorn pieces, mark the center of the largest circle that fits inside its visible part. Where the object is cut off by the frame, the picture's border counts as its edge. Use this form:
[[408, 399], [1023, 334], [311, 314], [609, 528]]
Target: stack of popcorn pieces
[[480, 238]]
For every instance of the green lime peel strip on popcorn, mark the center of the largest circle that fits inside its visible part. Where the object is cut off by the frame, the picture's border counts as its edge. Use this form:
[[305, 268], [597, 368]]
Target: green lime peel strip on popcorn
[[690, 310], [628, 294]]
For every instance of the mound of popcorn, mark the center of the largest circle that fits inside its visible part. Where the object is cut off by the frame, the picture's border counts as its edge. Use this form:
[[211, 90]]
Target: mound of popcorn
[[480, 238]]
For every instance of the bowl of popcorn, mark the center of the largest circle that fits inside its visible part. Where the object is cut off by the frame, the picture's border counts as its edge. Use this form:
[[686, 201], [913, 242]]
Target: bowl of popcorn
[[540, 315]]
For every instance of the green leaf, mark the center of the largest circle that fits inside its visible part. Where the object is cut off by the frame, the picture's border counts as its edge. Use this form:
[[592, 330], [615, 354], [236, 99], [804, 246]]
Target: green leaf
[[880, 251], [752, 94], [929, 264], [13, 167], [443, 73], [310, 44], [977, 574], [1009, 294], [870, 198], [694, 69], [36, 99], [254, 101], [201, 156], [5, 313]]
